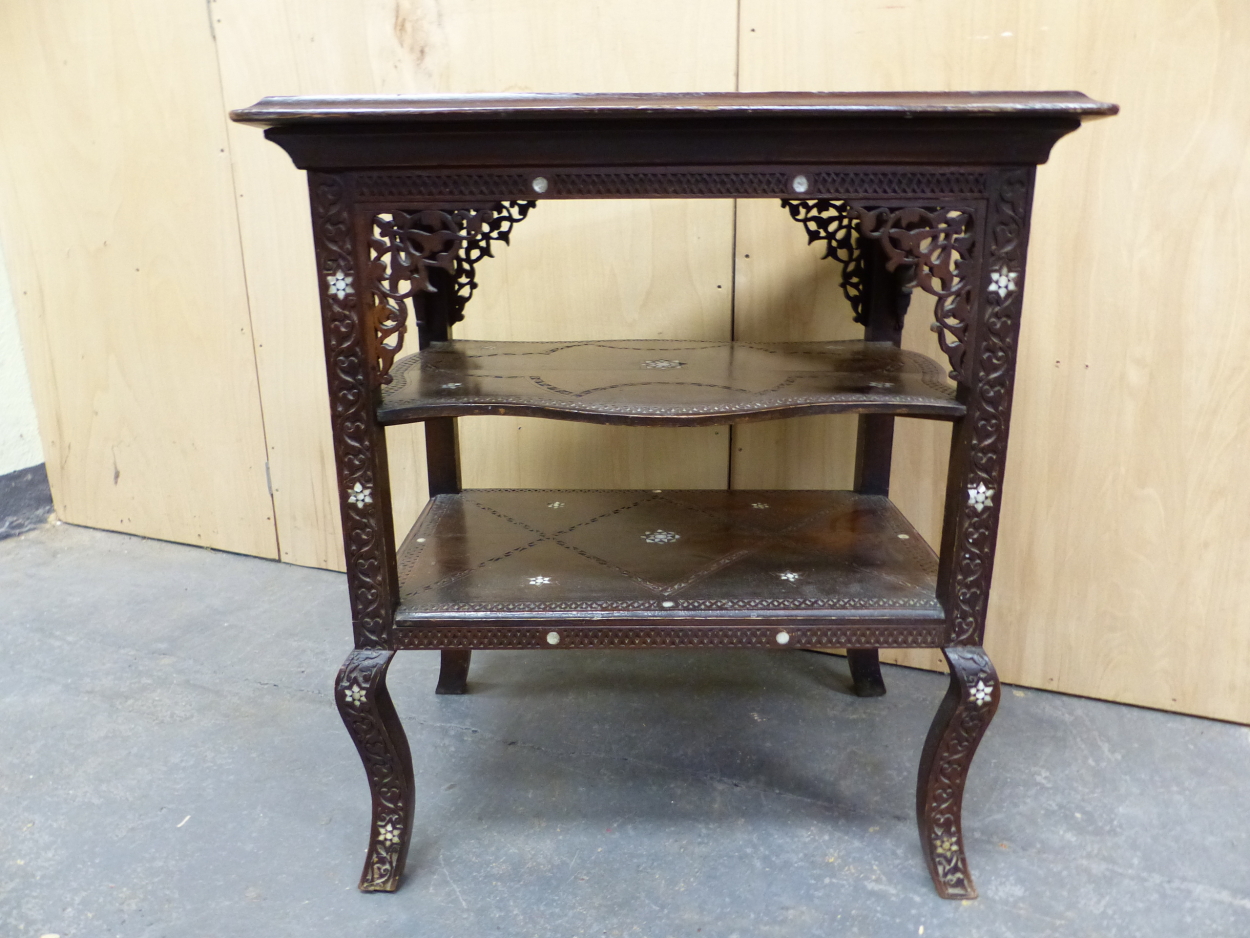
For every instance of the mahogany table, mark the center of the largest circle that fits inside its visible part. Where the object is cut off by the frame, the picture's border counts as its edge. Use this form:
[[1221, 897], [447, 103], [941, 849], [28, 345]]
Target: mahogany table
[[923, 191]]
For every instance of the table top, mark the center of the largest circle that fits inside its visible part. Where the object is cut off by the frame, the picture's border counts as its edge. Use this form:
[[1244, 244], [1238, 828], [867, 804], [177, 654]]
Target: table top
[[278, 111], [544, 131]]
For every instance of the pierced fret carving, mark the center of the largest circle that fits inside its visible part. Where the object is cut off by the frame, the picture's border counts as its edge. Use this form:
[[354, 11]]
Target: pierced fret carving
[[938, 244], [405, 246], [989, 410], [356, 437], [934, 245], [837, 224]]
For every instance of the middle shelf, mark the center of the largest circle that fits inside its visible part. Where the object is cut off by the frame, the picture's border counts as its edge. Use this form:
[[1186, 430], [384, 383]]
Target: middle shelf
[[650, 382]]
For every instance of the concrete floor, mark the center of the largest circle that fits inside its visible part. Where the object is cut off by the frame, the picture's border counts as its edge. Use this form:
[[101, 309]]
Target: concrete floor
[[172, 765]]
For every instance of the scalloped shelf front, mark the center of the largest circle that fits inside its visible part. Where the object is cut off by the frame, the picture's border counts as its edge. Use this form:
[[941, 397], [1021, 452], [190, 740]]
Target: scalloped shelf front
[[666, 382]]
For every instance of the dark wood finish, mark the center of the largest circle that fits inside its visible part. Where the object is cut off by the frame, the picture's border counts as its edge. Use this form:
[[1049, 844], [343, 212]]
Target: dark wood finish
[[453, 675], [365, 706], [665, 383], [866, 677], [961, 721], [924, 193], [700, 559], [550, 131]]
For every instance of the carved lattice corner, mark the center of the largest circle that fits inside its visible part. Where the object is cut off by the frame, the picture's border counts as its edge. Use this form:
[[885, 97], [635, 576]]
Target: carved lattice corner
[[836, 224], [404, 247], [934, 245]]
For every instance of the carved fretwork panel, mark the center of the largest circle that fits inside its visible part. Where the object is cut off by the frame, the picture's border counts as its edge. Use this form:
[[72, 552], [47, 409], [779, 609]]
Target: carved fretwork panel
[[933, 245], [404, 247], [837, 225], [980, 453], [359, 444], [938, 244]]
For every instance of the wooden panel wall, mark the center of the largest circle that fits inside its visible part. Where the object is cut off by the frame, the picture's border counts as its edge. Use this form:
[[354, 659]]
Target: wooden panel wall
[[1123, 567], [1123, 571], [122, 243], [599, 270]]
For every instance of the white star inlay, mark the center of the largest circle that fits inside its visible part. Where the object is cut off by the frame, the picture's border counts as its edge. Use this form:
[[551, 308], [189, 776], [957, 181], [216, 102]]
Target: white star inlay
[[340, 283], [660, 537], [980, 497], [1003, 282]]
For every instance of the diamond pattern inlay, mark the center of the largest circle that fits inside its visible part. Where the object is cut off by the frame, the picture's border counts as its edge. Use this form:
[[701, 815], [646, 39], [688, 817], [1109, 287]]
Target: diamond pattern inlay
[[597, 553]]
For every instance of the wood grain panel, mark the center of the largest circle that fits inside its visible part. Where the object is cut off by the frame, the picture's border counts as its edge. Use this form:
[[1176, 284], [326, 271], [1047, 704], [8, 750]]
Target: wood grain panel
[[1123, 567], [121, 236], [603, 270]]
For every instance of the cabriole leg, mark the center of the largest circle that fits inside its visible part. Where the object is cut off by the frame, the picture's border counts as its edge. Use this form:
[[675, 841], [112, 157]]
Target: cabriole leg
[[453, 675], [866, 672], [961, 721], [366, 708]]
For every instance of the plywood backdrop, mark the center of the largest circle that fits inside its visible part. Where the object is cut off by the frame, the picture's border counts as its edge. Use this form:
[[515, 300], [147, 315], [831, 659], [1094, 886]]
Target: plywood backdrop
[[163, 392]]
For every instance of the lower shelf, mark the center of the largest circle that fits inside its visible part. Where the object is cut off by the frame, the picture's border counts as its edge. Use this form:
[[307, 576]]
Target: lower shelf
[[502, 568]]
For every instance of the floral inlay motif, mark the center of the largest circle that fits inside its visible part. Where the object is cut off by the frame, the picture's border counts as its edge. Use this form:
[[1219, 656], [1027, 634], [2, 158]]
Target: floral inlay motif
[[789, 576], [555, 504], [1003, 282], [945, 845], [980, 497], [660, 537], [340, 283], [539, 580], [451, 385], [389, 833], [982, 693], [360, 496], [759, 504], [662, 363], [355, 695]]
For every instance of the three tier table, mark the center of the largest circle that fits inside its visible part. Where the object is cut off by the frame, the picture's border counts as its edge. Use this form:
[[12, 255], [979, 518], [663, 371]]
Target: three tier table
[[912, 194]]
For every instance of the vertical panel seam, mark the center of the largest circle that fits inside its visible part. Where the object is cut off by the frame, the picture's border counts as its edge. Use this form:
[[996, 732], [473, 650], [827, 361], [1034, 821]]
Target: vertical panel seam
[[247, 290]]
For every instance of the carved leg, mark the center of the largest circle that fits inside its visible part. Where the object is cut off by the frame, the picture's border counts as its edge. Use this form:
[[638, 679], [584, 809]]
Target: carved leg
[[366, 708], [866, 672], [960, 723], [453, 676]]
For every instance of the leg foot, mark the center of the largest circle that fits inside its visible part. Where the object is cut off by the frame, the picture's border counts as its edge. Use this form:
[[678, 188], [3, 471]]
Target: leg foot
[[866, 672], [961, 721], [366, 709], [453, 675]]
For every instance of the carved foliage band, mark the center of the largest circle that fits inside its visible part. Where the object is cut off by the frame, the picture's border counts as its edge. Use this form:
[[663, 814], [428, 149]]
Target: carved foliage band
[[974, 692], [989, 409], [406, 246], [360, 692], [355, 443]]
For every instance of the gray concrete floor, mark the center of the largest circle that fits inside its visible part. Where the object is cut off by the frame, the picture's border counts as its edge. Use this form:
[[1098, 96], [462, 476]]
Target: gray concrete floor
[[171, 764]]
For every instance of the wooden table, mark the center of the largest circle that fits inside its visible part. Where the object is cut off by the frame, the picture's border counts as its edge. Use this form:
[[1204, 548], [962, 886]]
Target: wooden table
[[923, 191]]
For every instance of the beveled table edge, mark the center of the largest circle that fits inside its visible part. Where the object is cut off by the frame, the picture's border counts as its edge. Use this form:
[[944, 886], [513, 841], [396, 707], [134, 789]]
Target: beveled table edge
[[275, 111]]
